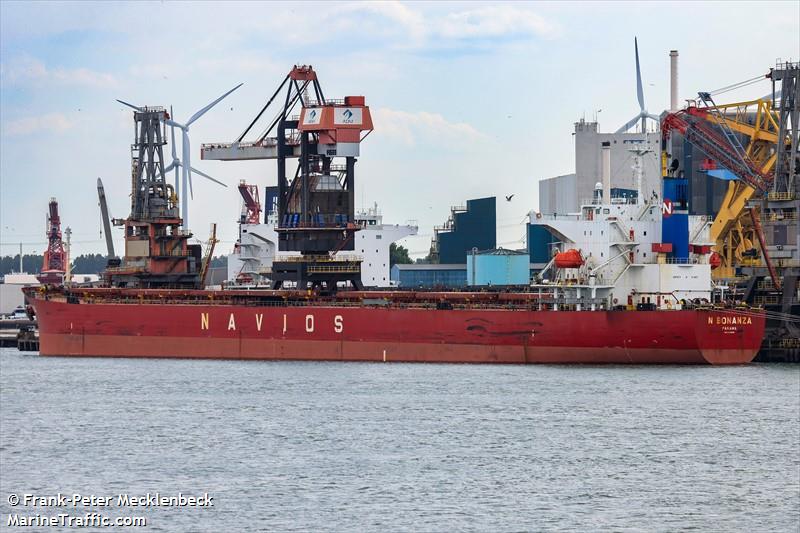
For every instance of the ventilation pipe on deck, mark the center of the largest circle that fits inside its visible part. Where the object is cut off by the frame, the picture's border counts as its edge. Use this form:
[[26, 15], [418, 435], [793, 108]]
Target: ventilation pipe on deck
[[606, 171]]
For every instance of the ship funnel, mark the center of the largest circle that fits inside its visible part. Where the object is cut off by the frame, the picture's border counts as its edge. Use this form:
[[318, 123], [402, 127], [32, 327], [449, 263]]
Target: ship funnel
[[606, 171], [673, 81]]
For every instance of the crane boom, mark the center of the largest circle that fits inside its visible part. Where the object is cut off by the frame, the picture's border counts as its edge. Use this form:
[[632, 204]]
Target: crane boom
[[101, 193]]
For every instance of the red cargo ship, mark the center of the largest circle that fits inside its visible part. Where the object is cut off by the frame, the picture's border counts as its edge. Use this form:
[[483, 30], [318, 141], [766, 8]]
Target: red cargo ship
[[382, 326], [601, 299]]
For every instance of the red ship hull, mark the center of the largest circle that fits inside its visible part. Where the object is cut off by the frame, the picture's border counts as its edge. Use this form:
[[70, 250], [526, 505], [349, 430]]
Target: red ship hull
[[359, 333]]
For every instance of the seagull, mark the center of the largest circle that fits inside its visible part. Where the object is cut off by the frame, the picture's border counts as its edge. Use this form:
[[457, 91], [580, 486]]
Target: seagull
[[508, 198]]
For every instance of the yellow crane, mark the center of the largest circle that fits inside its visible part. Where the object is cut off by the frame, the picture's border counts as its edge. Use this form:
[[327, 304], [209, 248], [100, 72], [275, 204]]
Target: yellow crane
[[733, 229]]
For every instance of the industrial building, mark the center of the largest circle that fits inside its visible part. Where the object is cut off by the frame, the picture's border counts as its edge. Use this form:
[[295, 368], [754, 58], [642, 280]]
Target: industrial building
[[429, 275], [566, 193], [540, 245], [468, 227]]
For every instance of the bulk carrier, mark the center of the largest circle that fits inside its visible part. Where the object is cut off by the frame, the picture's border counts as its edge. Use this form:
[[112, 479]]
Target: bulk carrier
[[626, 285]]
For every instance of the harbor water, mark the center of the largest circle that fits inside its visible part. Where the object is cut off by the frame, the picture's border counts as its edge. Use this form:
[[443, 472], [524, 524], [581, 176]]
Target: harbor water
[[303, 446]]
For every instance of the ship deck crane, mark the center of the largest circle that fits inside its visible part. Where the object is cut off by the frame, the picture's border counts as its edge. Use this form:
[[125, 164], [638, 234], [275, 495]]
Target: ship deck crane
[[54, 264]]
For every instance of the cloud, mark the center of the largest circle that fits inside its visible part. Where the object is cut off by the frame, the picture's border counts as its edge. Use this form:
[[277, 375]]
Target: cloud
[[420, 30], [495, 21], [54, 122], [30, 71], [432, 128]]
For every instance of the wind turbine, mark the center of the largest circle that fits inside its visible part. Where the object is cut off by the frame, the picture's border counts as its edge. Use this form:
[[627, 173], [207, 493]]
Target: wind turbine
[[643, 114], [177, 163], [185, 162], [186, 165]]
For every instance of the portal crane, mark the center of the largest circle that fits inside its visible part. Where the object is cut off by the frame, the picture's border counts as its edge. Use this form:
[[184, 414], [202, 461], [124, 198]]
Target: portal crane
[[316, 206], [695, 125], [732, 230], [54, 265]]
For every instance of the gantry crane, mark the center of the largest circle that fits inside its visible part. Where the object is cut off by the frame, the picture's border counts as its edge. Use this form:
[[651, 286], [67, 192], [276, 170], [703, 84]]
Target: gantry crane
[[54, 264], [316, 206]]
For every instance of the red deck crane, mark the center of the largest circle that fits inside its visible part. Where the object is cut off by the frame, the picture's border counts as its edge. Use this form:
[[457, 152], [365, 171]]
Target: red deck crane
[[54, 265]]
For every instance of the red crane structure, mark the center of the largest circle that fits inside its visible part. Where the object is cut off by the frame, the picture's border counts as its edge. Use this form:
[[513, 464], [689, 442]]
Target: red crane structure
[[724, 148], [54, 265], [252, 205]]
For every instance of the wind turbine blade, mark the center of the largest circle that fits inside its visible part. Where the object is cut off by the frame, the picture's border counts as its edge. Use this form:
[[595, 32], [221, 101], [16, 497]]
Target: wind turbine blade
[[170, 166], [137, 108], [639, 92], [628, 125], [175, 124], [208, 177], [172, 130], [209, 106], [187, 151]]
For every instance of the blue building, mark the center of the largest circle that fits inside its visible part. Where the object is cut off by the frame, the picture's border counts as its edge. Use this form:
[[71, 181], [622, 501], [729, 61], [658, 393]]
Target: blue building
[[540, 244], [498, 267], [473, 226], [429, 276]]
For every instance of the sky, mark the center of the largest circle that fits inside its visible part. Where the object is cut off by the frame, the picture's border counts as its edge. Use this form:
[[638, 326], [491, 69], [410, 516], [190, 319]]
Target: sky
[[468, 99]]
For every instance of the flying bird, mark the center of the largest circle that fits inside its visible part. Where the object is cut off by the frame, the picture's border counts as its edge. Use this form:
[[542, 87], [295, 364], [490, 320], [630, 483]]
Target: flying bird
[[508, 198]]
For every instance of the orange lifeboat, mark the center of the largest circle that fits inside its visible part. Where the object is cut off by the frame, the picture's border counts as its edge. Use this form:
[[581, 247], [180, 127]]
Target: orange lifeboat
[[714, 260], [569, 259]]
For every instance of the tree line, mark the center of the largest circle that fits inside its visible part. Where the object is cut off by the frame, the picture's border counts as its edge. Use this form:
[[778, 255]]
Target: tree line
[[82, 264]]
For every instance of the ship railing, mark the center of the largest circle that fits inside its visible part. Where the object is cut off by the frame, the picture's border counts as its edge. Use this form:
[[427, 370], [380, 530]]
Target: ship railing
[[683, 261], [332, 269], [766, 300], [766, 284], [780, 196], [556, 216], [319, 258]]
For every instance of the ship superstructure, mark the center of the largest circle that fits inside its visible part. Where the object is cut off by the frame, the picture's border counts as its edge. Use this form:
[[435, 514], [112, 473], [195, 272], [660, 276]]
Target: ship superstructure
[[645, 252]]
